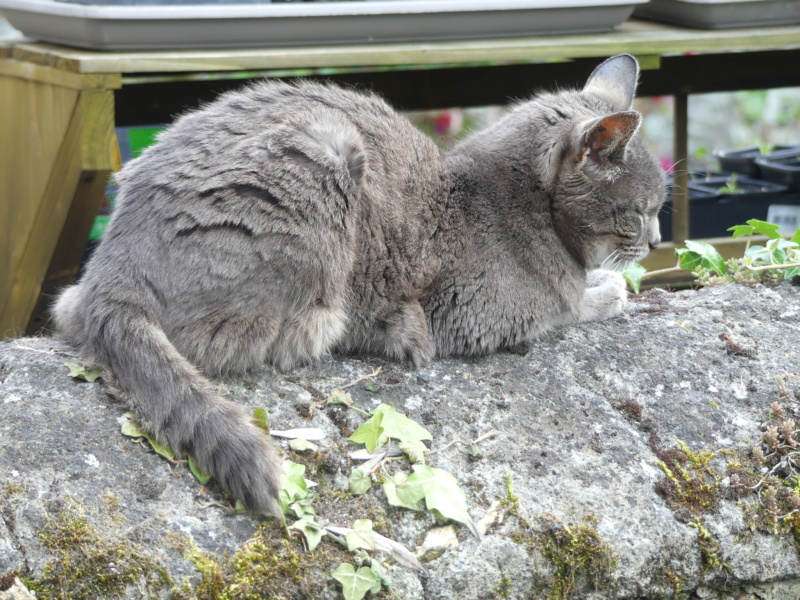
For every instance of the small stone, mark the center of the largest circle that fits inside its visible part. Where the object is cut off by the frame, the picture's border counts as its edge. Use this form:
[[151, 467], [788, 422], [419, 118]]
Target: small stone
[[302, 446], [437, 540], [17, 591]]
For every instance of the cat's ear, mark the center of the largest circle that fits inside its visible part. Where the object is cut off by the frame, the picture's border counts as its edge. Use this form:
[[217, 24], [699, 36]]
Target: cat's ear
[[607, 137], [615, 81]]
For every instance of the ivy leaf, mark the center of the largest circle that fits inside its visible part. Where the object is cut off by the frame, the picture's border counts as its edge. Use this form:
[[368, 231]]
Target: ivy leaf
[[381, 578], [370, 433], [77, 371], [633, 275], [372, 387], [415, 450], [700, 254], [791, 273], [312, 531], [360, 482], [390, 489], [361, 536], [442, 494], [198, 473], [764, 228], [261, 419], [304, 509], [796, 237], [398, 426], [446, 497], [339, 396], [294, 485], [355, 584], [412, 490], [741, 230], [131, 429]]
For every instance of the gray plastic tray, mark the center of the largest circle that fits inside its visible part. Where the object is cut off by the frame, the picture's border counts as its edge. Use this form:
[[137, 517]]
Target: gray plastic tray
[[721, 14], [255, 25]]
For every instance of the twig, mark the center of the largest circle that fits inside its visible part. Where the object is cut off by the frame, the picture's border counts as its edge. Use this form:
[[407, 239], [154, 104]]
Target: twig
[[674, 269], [49, 352], [772, 266], [375, 373], [492, 433]]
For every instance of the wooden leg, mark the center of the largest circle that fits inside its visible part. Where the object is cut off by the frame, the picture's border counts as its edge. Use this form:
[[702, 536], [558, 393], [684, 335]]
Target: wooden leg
[[58, 151], [680, 193]]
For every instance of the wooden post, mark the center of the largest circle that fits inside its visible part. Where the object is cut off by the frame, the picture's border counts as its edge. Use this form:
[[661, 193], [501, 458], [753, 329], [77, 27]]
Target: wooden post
[[58, 141], [680, 191]]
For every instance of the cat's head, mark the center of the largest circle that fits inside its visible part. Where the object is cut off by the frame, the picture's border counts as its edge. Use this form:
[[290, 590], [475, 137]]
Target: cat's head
[[607, 189]]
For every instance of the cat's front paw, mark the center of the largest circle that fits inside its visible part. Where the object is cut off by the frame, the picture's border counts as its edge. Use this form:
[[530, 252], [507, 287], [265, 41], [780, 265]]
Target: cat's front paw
[[605, 296]]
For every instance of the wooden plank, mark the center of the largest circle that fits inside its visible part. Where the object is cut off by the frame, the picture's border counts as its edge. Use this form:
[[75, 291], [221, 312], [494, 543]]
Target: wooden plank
[[75, 81], [37, 216], [96, 112], [634, 36], [34, 118]]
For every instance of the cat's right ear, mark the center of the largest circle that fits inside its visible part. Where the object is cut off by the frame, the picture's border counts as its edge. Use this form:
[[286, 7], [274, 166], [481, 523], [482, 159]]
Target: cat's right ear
[[607, 138], [615, 81]]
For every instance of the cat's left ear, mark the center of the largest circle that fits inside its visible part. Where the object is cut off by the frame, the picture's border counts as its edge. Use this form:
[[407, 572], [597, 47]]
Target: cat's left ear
[[615, 80], [607, 137]]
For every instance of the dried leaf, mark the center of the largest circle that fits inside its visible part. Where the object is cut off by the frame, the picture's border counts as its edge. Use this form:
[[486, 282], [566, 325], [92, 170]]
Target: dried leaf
[[77, 371], [311, 434]]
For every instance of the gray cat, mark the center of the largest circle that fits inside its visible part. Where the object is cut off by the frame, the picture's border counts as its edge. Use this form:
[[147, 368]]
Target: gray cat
[[286, 221]]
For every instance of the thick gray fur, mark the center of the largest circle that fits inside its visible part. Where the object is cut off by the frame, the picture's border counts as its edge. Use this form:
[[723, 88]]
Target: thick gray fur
[[286, 221]]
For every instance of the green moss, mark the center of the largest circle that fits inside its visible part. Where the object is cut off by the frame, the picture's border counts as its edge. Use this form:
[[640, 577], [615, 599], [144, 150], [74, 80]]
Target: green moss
[[503, 587], [88, 565], [709, 548], [266, 566], [690, 483], [510, 501], [578, 553]]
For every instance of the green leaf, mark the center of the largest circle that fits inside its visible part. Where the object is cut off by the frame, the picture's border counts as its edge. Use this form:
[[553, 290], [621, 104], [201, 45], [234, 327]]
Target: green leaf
[[198, 473], [390, 489], [339, 396], [700, 254], [370, 433], [361, 536], [791, 273], [360, 482], [304, 509], [131, 429], [443, 494], [355, 584], [261, 419], [633, 275], [372, 387], [294, 485], [764, 228], [796, 237], [77, 371], [398, 426], [379, 576], [415, 450], [413, 489], [741, 230], [313, 532]]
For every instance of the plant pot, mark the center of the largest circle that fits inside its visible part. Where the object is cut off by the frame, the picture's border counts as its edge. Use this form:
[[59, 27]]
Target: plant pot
[[711, 213], [784, 170], [743, 160], [720, 14], [732, 208], [699, 203]]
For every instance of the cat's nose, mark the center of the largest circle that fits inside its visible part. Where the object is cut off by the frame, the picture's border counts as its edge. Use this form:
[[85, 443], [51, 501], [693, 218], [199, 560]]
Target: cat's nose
[[654, 242]]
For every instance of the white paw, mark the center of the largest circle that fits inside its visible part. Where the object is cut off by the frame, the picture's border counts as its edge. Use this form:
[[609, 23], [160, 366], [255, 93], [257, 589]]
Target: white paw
[[605, 296]]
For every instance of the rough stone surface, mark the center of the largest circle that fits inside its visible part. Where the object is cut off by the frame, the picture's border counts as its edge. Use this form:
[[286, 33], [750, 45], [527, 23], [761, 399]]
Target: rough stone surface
[[571, 448]]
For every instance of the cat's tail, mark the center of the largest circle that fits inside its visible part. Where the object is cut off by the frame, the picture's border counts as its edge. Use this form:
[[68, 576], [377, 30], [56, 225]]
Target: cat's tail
[[171, 399]]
